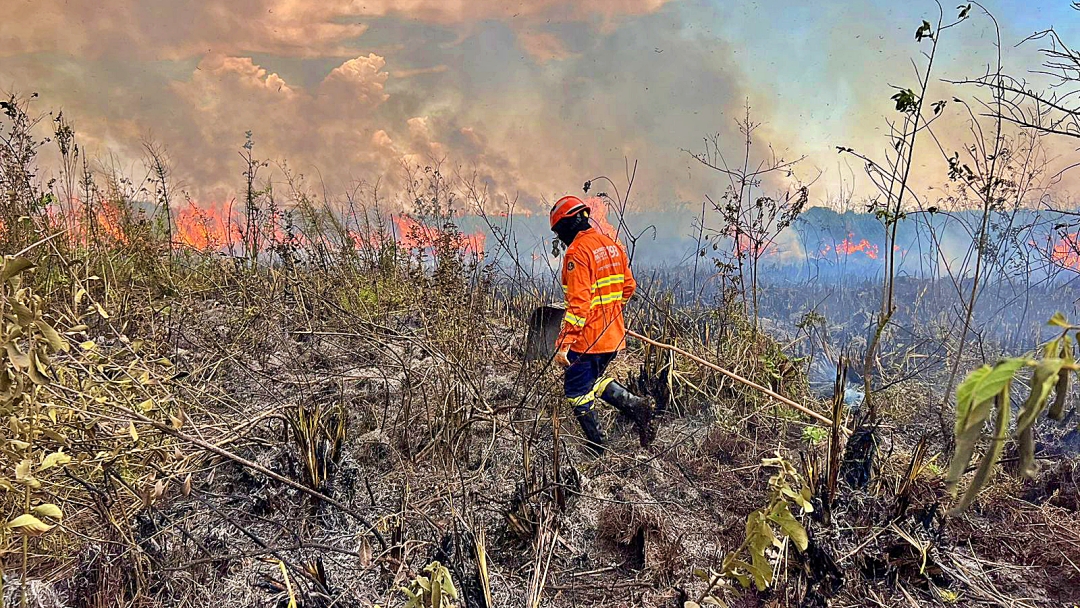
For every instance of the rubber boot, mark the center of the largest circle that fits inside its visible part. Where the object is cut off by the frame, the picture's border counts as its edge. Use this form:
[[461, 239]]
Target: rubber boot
[[638, 409], [591, 427]]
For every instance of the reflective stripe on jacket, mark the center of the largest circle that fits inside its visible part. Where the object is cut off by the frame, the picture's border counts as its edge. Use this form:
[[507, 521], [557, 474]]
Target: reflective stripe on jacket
[[597, 281]]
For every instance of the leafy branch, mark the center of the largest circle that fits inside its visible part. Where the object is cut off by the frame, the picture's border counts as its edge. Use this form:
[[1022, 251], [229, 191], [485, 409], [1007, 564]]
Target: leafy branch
[[986, 391], [767, 529], [436, 590], [28, 342]]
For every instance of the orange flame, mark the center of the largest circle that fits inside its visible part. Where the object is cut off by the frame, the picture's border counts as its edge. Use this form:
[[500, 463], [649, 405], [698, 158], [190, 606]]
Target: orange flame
[[204, 229], [1066, 251], [109, 219], [371, 240], [745, 246], [412, 234], [598, 214], [848, 246], [212, 227]]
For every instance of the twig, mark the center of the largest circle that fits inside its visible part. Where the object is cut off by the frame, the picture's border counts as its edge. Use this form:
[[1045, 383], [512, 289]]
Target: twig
[[863, 544], [738, 378], [625, 585]]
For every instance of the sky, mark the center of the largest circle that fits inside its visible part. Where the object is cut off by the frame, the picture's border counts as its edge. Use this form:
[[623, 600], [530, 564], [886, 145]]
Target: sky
[[527, 99]]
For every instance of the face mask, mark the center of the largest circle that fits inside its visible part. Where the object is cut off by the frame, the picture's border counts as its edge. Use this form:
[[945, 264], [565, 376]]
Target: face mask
[[566, 233]]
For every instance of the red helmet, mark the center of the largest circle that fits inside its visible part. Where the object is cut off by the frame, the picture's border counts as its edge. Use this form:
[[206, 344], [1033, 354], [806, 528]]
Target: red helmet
[[567, 206]]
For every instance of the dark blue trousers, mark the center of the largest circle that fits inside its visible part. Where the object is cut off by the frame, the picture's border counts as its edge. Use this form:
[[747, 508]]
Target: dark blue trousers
[[580, 380]]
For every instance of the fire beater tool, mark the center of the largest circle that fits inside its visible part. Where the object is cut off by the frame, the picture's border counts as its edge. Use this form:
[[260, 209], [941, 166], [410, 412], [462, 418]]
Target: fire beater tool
[[545, 323]]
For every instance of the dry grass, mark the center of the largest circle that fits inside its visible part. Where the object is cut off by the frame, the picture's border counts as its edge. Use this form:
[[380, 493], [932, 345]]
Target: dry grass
[[331, 417]]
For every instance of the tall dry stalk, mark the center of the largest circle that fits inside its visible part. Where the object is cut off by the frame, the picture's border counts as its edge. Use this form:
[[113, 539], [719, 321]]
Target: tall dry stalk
[[543, 550], [891, 176]]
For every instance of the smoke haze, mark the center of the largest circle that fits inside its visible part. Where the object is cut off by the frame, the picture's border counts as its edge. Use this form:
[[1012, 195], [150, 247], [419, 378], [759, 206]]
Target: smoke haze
[[531, 98]]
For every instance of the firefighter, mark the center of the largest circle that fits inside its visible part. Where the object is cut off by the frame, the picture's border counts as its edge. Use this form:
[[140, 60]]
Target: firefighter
[[597, 281]]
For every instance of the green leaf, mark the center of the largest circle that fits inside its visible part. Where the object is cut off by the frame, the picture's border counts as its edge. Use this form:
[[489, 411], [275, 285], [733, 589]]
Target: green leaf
[[56, 343], [733, 571], [762, 571], [23, 314], [800, 498], [14, 266], [1001, 375], [1059, 320], [416, 600], [990, 458], [37, 369], [53, 460], [759, 535], [906, 101], [1061, 389], [23, 469], [1044, 378], [762, 575], [1052, 348], [29, 524], [18, 358], [980, 386], [966, 439], [790, 526], [48, 510], [924, 31], [1027, 452], [448, 586], [965, 396]]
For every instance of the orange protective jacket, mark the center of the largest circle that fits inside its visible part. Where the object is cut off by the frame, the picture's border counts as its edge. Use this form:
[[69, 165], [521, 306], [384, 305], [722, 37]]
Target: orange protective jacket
[[597, 281]]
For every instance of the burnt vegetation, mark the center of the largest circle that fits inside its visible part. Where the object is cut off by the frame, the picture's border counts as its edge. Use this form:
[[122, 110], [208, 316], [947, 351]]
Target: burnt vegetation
[[302, 399]]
